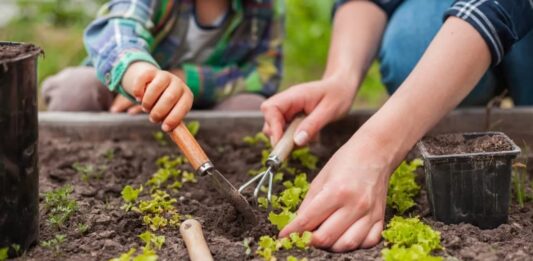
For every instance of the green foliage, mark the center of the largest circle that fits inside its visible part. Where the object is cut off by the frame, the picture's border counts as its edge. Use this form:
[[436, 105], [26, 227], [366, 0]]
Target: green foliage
[[109, 154], [59, 206], [268, 245], [520, 183], [246, 245], [305, 157], [160, 138], [281, 219], [130, 195], [413, 236], [151, 240], [54, 243], [145, 255], [88, 171], [413, 253], [82, 228], [259, 139], [3, 253], [403, 187], [293, 258], [288, 201], [194, 127]]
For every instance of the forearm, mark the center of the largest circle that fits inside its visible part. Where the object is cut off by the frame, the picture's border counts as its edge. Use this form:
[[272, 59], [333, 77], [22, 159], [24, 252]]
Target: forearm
[[358, 27], [450, 68]]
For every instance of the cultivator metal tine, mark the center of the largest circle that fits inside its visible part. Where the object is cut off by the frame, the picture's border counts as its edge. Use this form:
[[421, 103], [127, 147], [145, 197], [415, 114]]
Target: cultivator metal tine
[[262, 177]]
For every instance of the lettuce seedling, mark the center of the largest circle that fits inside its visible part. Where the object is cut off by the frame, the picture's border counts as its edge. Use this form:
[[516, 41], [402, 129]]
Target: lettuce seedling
[[145, 255], [267, 247], [130, 195], [88, 171], [293, 258], [414, 253], [403, 187], [281, 219], [301, 241], [305, 157], [194, 127], [160, 138], [3, 253], [259, 138], [151, 240], [406, 232]]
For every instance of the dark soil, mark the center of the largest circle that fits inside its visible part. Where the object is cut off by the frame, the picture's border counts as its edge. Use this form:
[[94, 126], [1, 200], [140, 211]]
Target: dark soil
[[13, 51], [112, 231], [459, 144]]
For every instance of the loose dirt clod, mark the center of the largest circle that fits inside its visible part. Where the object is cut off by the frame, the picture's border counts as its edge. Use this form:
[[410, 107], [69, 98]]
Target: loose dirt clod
[[8, 52], [458, 144]]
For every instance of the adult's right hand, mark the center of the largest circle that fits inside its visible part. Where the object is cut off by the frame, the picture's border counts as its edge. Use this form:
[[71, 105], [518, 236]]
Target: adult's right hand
[[322, 101]]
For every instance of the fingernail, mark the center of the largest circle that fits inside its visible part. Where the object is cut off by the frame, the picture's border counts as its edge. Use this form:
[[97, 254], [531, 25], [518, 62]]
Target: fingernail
[[300, 138], [144, 109], [138, 99], [152, 120], [165, 127]]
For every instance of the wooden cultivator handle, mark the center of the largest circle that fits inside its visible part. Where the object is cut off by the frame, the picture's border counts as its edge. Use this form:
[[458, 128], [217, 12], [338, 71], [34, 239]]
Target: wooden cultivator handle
[[191, 231], [284, 147], [189, 146]]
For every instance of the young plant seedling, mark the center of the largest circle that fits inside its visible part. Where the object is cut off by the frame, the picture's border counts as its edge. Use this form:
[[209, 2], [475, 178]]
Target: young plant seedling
[[88, 171], [520, 182], [109, 154], [59, 206], [268, 245], [55, 243], [410, 237], [403, 187], [3, 253]]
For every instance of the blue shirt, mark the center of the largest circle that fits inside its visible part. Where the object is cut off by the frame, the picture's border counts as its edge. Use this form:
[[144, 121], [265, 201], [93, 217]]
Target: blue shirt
[[501, 23]]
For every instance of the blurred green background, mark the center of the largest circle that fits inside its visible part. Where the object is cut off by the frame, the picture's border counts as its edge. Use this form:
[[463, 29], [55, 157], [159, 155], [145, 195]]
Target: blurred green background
[[57, 26]]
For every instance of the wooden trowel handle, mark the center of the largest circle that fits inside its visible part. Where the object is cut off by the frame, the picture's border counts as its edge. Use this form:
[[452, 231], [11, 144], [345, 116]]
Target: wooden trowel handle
[[284, 147], [189, 146], [191, 231]]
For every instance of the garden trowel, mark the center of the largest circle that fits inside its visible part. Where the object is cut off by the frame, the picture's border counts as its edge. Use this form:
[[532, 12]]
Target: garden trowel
[[204, 167]]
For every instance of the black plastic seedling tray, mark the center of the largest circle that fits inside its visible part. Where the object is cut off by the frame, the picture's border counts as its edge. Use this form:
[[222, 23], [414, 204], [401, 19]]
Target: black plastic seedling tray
[[471, 187]]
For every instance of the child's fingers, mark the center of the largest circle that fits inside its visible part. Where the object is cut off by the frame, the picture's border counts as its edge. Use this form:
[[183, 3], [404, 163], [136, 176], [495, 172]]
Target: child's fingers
[[141, 81], [167, 100], [120, 104], [155, 89], [178, 112], [135, 110]]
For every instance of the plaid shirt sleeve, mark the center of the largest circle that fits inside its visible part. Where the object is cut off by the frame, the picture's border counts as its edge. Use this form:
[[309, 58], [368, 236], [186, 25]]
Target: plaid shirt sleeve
[[122, 34], [501, 23], [388, 6], [260, 74]]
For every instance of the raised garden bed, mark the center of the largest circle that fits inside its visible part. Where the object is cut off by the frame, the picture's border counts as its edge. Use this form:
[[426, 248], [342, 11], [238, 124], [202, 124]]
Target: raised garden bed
[[101, 230]]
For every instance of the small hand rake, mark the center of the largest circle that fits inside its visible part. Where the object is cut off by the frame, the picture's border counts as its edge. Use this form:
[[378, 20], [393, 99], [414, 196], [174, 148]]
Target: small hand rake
[[279, 154]]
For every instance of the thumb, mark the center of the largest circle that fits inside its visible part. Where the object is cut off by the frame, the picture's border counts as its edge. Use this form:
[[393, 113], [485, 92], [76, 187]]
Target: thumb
[[311, 125], [120, 104]]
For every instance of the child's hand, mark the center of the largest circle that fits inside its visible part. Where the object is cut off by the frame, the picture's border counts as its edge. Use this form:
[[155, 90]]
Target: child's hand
[[161, 93], [122, 104]]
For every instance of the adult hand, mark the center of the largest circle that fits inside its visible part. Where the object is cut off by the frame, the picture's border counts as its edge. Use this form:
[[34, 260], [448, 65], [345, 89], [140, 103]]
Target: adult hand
[[345, 205], [322, 101], [160, 92], [122, 104]]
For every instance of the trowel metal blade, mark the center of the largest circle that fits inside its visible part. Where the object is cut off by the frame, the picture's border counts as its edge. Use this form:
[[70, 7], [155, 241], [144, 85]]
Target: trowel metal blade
[[224, 187]]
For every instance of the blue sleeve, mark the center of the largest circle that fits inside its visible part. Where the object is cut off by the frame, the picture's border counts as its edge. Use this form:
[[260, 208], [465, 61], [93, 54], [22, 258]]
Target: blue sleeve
[[501, 23], [388, 6]]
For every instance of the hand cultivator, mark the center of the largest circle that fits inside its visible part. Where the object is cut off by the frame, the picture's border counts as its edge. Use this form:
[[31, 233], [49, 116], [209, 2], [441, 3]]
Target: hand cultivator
[[279, 154]]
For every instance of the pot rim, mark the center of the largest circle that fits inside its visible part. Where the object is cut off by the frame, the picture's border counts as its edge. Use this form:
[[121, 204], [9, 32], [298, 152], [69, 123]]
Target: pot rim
[[513, 152], [34, 53]]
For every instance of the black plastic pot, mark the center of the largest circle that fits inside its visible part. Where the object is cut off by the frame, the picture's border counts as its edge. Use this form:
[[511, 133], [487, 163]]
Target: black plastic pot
[[19, 172], [472, 187]]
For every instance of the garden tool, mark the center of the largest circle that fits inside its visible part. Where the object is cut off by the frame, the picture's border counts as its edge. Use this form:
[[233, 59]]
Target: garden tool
[[279, 154], [191, 231], [203, 166]]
